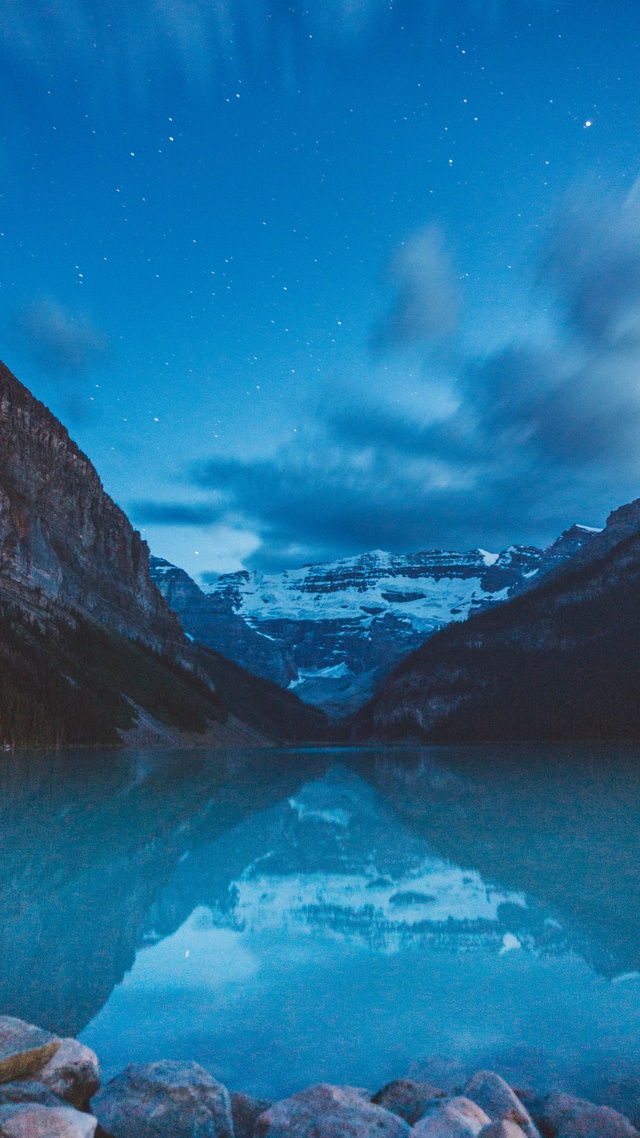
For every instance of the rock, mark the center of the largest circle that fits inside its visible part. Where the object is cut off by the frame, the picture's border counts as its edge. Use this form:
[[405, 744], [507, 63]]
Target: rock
[[407, 1098], [28, 1090], [619, 1089], [244, 1112], [164, 1100], [564, 1116], [32, 1120], [496, 1097], [73, 1074], [452, 1118], [503, 1129], [24, 1048], [450, 1074], [329, 1112]]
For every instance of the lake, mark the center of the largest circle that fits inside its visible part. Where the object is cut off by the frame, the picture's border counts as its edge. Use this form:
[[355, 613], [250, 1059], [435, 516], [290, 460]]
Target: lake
[[288, 917]]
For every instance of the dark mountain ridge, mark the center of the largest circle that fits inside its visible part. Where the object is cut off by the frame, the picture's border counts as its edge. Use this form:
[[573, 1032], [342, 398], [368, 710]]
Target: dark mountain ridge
[[89, 650], [558, 662], [64, 543]]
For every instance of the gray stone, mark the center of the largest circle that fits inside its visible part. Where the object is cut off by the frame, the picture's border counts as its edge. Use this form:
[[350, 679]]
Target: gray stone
[[457, 1117], [245, 1110], [32, 1120], [619, 1088], [164, 1100], [407, 1098], [503, 1129], [73, 1073], [28, 1090], [24, 1048], [496, 1097], [564, 1116], [325, 1111], [442, 1071]]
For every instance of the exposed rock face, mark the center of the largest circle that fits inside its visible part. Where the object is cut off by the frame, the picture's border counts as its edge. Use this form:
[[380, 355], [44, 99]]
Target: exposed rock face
[[454, 1118], [73, 1073], [245, 1112], [63, 541], [501, 1130], [564, 1116], [32, 1120], [24, 1049], [331, 631], [496, 1097], [407, 1098], [559, 662], [28, 1090], [164, 1100], [329, 1112]]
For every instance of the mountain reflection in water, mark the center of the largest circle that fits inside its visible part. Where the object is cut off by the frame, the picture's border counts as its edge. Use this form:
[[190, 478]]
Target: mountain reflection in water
[[287, 917]]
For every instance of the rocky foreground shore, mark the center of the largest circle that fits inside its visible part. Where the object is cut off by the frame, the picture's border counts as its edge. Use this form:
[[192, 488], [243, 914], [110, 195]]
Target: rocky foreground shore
[[50, 1088]]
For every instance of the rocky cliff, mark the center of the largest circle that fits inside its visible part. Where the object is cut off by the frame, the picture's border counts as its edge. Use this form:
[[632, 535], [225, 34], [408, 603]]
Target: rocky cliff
[[558, 662], [90, 652], [64, 544], [331, 632]]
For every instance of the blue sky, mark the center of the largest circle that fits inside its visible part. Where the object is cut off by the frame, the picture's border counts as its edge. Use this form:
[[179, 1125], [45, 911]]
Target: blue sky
[[305, 280]]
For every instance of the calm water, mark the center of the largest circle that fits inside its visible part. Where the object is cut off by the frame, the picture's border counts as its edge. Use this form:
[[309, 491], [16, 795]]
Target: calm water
[[287, 917]]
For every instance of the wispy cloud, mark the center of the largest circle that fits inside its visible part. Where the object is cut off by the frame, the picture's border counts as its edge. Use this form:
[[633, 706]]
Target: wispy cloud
[[426, 293], [175, 514], [131, 41], [535, 435], [65, 345]]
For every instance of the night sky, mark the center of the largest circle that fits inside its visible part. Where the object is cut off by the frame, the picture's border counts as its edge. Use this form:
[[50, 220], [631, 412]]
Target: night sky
[[309, 279]]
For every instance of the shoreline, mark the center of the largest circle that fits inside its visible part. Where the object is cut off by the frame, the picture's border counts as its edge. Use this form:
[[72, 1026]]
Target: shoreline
[[50, 1087]]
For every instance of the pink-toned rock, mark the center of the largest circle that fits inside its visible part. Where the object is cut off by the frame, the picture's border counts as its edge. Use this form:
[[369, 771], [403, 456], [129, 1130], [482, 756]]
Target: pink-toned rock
[[325, 1111], [24, 1048], [452, 1118], [496, 1097], [503, 1129], [28, 1090], [73, 1073], [564, 1116], [164, 1100], [32, 1120], [407, 1098], [245, 1110]]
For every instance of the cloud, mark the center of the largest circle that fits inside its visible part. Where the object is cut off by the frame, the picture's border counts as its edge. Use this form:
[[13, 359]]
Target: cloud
[[59, 342], [533, 436], [121, 45], [426, 302], [175, 514], [66, 346]]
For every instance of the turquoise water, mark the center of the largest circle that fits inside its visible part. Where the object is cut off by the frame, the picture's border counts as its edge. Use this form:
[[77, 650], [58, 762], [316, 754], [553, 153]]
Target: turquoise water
[[295, 916]]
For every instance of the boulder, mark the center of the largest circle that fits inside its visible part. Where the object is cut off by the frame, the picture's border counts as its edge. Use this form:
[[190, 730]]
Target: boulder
[[28, 1090], [497, 1099], [503, 1129], [452, 1118], [73, 1073], [164, 1100], [620, 1089], [450, 1074], [244, 1111], [24, 1048], [32, 1120], [564, 1116], [407, 1098], [325, 1111]]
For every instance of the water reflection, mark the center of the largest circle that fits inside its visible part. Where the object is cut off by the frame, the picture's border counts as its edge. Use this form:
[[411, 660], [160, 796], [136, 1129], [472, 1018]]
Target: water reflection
[[288, 917], [87, 841]]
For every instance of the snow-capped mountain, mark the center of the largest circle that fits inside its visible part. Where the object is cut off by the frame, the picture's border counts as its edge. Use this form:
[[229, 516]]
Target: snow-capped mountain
[[333, 861], [331, 631]]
